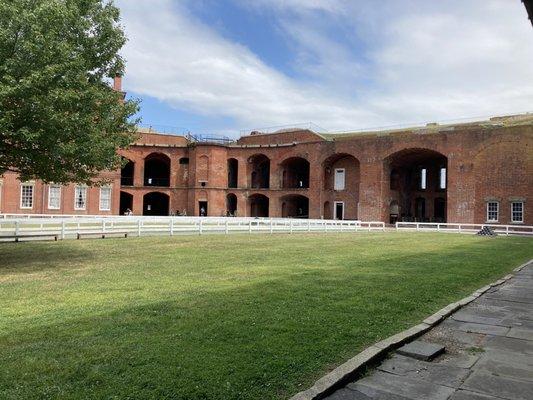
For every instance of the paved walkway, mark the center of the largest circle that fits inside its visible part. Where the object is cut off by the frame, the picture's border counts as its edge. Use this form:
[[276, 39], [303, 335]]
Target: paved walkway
[[489, 354]]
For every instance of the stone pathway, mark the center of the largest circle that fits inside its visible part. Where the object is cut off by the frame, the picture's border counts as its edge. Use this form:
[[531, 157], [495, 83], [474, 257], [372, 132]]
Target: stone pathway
[[489, 354]]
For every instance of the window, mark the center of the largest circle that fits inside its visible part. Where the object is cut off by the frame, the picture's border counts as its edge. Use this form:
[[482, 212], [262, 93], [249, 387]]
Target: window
[[184, 161], [517, 211], [339, 182], [54, 197], [423, 178], [26, 196], [80, 198], [442, 178], [105, 198], [493, 208]]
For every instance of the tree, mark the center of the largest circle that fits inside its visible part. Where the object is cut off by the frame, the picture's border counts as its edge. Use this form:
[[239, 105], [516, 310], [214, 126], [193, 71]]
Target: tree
[[60, 121]]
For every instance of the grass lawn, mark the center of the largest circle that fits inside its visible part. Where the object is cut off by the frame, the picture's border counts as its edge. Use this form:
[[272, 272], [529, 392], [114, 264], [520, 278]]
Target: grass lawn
[[221, 317]]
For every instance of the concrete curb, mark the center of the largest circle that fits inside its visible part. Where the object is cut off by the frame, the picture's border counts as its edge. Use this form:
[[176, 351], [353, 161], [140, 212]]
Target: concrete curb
[[351, 368]]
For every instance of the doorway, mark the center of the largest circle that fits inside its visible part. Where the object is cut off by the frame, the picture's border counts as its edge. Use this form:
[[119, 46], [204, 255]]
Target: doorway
[[202, 208], [339, 210]]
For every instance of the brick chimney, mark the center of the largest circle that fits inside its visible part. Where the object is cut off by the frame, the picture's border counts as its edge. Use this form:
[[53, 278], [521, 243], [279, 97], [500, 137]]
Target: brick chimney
[[117, 83]]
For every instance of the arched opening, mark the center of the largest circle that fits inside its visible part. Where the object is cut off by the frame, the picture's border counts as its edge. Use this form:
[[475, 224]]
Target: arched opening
[[341, 185], [127, 172], [126, 203], [295, 173], [231, 205], [294, 206], [417, 178], [327, 210], [233, 172], [156, 170], [259, 205], [259, 171], [156, 203]]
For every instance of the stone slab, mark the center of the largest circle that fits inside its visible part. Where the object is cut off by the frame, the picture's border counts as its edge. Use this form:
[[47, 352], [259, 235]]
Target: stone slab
[[505, 364], [447, 375], [347, 394], [403, 386], [521, 333], [471, 327], [421, 350], [502, 343], [375, 394], [498, 386], [468, 395]]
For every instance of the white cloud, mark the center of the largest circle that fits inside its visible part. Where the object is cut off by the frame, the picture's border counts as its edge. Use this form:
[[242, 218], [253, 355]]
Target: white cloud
[[421, 62]]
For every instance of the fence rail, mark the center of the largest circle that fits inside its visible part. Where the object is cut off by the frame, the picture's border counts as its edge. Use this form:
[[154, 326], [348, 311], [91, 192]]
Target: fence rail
[[464, 228], [68, 227]]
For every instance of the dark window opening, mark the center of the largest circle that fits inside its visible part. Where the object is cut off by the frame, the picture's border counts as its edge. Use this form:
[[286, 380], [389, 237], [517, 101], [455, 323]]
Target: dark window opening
[[233, 172]]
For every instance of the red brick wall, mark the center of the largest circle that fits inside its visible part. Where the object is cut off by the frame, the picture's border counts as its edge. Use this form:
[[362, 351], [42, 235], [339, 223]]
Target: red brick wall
[[483, 162]]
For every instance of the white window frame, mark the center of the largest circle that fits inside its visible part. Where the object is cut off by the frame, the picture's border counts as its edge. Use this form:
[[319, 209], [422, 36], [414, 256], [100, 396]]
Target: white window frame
[[521, 212], [84, 188], [443, 178], [497, 210], [22, 186], [335, 209], [343, 170], [110, 189], [423, 178], [50, 187]]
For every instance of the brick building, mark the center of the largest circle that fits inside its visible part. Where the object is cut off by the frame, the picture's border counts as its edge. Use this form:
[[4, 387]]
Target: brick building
[[472, 172]]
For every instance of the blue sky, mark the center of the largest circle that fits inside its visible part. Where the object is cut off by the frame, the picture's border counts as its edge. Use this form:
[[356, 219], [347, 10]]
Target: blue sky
[[223, 66]]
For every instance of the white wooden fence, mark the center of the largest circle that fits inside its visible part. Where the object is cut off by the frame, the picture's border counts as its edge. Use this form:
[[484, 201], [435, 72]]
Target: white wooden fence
[[69, 227], [464, 228]]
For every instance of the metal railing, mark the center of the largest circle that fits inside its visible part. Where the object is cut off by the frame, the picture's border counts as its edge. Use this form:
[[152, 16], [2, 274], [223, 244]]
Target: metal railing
[[67, 228], [464, 228]]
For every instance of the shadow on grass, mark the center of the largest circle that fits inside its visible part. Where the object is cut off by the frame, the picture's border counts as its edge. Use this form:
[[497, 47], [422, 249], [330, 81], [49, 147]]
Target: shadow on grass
[[41, 256], [254, 340]]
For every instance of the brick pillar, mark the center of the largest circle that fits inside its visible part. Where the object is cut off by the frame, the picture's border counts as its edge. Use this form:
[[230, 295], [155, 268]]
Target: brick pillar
[[371, 192], [274, 206], [137, 203], [138, 173], [461, 192]]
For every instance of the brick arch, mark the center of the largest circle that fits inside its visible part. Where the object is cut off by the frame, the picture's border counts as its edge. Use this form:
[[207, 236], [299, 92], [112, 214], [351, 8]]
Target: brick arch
[[349, 166], [294, 173], [258, 171], [412, 178]]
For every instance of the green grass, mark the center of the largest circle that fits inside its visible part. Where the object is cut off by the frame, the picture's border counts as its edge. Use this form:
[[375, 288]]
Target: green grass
[[220, 317]]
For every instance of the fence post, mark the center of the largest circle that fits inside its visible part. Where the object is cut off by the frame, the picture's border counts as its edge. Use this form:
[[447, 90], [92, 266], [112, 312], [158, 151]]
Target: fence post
[[290, 226], [417, 227], [17, 227], [271, 226], [139, 227], [171, 226], [308, 226], [63, 229], [103, 225], [200, 227], [325, 227], [396, 226], [438, 227], [250, 226], [226, 227], [507, 230]]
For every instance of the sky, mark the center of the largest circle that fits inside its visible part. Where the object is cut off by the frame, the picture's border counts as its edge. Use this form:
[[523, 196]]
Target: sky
[[230, 66]]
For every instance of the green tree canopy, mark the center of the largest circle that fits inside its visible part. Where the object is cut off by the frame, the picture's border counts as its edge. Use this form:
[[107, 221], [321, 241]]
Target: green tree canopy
[[60, 121]]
